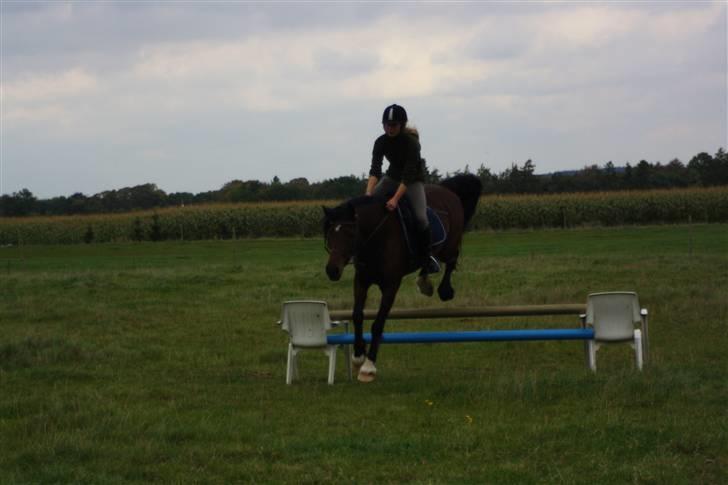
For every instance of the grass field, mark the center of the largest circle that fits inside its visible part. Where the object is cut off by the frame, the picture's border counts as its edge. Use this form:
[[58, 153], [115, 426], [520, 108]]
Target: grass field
[[162, 363]]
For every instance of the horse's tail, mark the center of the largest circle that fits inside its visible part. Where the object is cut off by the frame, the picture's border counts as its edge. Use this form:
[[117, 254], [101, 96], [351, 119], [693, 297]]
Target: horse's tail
[[468, 188]]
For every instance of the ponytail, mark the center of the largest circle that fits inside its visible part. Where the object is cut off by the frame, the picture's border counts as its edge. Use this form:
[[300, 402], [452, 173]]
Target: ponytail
[[412, 131]]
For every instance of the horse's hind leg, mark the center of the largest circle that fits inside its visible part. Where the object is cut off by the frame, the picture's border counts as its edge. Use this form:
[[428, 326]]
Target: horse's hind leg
[[445, 290]]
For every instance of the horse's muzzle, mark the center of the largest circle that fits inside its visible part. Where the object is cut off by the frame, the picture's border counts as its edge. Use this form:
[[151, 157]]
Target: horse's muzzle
[[333, 272]]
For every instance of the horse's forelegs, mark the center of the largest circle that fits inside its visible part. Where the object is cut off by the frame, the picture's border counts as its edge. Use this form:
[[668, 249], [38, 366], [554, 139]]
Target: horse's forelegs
[[424, 284], [368, 371], [388, 294], [445, 289], [360, 298]]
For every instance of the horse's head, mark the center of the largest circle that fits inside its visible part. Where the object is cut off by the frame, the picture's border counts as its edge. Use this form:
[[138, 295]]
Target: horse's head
[[339, 238], [343, 225]]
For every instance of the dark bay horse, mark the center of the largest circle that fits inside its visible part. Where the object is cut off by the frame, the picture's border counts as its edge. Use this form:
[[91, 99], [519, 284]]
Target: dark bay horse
[[364, 232]]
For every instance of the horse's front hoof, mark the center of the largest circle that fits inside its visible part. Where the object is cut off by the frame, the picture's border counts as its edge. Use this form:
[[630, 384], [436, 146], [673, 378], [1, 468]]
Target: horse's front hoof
[[446, 294], [425, 285], [366, 378], [368, 372]]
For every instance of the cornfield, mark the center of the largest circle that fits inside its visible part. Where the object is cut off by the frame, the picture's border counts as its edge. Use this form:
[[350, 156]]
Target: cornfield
[[603, 209], [303, 219]]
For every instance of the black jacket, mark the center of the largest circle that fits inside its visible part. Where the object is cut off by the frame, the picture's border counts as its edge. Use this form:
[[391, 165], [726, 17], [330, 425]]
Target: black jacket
[[403, 153]]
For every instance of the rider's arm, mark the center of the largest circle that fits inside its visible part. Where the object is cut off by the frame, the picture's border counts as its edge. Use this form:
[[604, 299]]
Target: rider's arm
[[375, 170], [392, 203], [371, 184]]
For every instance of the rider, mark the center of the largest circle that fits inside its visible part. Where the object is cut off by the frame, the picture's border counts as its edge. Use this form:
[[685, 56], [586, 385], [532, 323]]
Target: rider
[[400, 144]]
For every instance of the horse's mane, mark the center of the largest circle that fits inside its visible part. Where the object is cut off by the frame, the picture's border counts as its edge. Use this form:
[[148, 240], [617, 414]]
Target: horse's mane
[[345, 212]]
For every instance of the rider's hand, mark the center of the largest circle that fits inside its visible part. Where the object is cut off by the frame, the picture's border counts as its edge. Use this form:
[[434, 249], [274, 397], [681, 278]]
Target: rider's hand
[[392, 204]]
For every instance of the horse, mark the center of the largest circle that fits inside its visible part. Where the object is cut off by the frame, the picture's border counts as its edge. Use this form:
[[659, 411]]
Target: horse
[[363, 231]]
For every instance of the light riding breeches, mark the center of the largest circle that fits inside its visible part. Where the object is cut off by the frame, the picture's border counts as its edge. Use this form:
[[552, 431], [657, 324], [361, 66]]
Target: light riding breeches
[[415, 193]]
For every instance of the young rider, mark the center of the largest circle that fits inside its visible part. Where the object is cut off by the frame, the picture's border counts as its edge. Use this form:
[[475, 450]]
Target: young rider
[[405, 175]]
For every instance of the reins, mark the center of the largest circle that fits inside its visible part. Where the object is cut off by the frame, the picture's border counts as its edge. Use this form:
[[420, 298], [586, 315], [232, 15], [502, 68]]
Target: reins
[[376, 229]]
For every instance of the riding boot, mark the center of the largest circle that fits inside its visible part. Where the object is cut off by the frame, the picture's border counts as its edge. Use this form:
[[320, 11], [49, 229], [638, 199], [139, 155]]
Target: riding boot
[[428, 262]]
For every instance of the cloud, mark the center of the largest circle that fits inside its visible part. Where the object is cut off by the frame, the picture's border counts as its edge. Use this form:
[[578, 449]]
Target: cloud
[[155, 85], [374, 61], [67, 84], [544, 53], [46, 98], [585, 27]]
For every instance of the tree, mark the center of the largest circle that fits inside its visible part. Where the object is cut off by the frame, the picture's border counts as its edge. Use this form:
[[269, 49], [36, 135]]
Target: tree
[[77, 203], [340, 187], [701, 164], [642, 174], [147, 196], [519, 180], [488, 179], [21, 203], [721, 162], [180, 198], [710, 170], [435, 176], [432, 176], [609, 169], [703, 169], [278, 191], [298, 189], [590, 178], [248, 191], [610, 179]]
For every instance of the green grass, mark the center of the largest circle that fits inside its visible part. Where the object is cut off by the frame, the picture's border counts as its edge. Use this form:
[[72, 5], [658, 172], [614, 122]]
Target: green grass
[[162, 363]]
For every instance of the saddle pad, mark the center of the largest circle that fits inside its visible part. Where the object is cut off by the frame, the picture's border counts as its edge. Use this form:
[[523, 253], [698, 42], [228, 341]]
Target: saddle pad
[[438, 229], [406, 218]]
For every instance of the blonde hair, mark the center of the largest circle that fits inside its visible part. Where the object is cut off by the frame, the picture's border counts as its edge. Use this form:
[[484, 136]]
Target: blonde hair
[[412, 130]]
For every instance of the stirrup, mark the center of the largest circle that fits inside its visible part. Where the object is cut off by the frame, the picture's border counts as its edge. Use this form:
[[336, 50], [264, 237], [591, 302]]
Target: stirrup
[[431, 265]]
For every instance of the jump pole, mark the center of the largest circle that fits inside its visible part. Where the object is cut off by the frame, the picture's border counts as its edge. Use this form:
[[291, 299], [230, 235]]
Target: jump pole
[[485, 311], [578, 309], [469, 336]]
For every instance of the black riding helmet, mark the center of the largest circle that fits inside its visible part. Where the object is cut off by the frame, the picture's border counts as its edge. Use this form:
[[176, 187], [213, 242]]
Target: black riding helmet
[[394, 114]]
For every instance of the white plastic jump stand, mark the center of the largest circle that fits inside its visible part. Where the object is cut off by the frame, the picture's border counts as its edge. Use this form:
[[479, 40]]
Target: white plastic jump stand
[[613, 316], [645, 335], [307, 323], [292, 369], [636, 344]]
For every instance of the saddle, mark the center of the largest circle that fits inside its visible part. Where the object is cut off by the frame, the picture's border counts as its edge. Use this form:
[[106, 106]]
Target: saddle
[[409, 226]]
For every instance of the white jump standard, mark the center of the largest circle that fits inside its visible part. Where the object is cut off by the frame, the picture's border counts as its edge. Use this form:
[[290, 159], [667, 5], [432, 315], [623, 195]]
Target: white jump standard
[[606, 318]]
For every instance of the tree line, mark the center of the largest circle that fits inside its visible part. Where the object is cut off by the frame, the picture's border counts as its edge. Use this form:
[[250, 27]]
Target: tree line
[[702, 170]]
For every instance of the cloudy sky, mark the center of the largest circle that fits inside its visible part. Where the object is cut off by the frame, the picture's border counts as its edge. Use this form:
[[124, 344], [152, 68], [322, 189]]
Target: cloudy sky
[[191, 95]]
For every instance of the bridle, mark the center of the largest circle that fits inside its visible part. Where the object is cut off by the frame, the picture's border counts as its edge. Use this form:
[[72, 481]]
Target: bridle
[[337, 227]]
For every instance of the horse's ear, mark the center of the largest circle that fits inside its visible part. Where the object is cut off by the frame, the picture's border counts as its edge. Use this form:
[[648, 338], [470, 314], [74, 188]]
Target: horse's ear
[[327, 211]]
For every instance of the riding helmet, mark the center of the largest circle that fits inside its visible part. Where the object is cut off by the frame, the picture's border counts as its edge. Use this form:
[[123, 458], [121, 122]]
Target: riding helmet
[[394, 113]]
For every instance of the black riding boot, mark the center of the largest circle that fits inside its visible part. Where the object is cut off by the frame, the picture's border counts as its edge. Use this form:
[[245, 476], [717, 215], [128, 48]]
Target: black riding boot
[[428, 262]]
